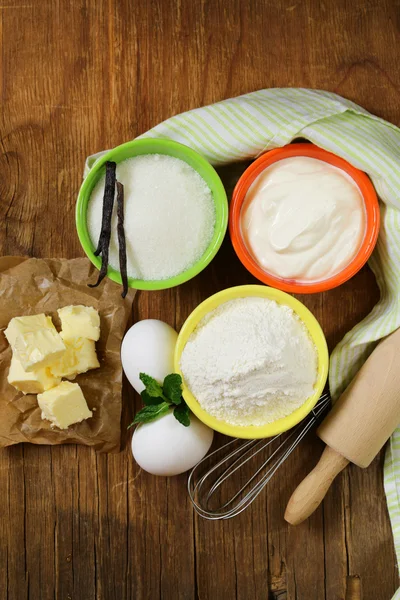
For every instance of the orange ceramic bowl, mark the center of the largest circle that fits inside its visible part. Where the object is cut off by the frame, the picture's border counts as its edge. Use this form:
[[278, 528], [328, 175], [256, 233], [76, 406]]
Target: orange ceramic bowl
[[292, 285]]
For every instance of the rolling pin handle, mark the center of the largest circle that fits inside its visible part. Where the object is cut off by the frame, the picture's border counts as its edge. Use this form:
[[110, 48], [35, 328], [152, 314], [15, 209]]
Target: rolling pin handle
[[311, 491]]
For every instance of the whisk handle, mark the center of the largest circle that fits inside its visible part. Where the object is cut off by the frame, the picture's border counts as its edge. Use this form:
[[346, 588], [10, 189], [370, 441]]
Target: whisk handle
[[312, 490]]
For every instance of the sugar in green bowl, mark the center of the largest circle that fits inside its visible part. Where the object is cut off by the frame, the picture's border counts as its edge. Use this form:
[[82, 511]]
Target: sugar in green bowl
[[176, 150]]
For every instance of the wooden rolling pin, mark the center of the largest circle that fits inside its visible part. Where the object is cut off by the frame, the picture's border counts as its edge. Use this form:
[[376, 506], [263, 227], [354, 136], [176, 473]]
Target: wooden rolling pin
[[361, 421]]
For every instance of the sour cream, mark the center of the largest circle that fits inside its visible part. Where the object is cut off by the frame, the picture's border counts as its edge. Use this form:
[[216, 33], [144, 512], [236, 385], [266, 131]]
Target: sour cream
[[303, 219]]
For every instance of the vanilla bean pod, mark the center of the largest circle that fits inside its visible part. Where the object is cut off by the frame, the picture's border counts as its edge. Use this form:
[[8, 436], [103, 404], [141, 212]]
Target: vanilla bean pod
[[105, 233], [121, 238]]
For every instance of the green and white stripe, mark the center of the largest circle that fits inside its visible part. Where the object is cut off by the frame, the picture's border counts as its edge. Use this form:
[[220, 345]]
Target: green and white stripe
[[244, 127]]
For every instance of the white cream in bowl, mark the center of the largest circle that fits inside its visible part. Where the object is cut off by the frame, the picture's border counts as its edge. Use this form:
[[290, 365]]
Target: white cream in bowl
[[303, 219]]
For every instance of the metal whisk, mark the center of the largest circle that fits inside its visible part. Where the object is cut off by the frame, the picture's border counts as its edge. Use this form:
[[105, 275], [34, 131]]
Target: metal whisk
[[205, 487]]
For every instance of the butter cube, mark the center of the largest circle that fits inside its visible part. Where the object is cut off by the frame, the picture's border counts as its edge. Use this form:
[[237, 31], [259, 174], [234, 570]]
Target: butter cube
[[21, 325], [79, 357], [34, 382], [64, 405], [39, 348], [80, 321]]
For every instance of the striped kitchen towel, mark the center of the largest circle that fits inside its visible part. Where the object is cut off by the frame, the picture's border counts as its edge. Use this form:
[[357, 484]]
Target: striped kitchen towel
[[245, 127]]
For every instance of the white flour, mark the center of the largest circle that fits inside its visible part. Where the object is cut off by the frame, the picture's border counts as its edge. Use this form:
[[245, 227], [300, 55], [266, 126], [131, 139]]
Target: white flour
[[169, 216], [251, 361]]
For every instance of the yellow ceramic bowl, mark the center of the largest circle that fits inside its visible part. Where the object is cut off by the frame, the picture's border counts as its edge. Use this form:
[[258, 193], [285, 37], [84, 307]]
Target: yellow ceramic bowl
[[316, 333]]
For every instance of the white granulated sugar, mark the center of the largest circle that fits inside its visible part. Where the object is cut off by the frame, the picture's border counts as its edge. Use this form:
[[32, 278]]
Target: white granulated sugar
[[169, 216], [251, 361]]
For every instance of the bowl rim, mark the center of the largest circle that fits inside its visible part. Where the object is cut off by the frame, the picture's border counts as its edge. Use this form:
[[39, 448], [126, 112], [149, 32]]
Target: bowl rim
[[158, 146], [370, 202], [315, 331]]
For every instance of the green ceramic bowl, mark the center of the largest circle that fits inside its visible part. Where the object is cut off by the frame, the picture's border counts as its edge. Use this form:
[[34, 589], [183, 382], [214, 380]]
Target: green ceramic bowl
[[155, 146]]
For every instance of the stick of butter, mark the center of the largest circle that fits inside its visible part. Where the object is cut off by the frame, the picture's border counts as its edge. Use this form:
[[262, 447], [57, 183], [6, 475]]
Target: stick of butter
[[38, 349], [34, 382], [64, 405], [34, 340], [80, 356], [20, 325], [80, 321]]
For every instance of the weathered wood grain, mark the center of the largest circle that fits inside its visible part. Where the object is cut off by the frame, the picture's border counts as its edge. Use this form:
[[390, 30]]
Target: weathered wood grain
[[81, 76]]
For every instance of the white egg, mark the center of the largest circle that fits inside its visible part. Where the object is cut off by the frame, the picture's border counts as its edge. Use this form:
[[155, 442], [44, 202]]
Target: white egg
[[148, 347], [165, 447]]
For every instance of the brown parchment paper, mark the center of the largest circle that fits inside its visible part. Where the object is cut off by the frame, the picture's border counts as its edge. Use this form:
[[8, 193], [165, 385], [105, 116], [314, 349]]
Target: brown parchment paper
[[29, 286]]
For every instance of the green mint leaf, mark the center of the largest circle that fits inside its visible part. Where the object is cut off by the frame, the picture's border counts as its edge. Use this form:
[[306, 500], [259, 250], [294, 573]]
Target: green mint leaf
[[182, 414], [149, 413], [172, 388], [150, 400], [153, 388]]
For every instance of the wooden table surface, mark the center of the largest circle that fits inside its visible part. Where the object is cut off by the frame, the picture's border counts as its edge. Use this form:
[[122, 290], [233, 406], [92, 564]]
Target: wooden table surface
[[81, 76]]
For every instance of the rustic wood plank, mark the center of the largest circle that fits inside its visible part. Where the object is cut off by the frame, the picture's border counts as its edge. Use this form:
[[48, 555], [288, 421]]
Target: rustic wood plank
[[85, 527], [12, 526], [41, 545], [80, 77]]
